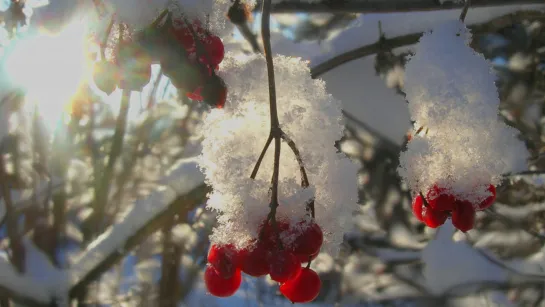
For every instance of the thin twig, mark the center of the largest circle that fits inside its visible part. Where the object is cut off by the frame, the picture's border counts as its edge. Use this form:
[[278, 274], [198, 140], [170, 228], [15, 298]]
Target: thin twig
[[410, 39], [464, 10], [507, 221], [261, 156], [291, 144]]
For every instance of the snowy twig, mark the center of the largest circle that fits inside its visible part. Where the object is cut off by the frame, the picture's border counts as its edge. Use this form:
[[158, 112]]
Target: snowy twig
[[237, 14], [145, 218], [509, 222], [505, 266], [380, 6], [363, 51], [410, 39]]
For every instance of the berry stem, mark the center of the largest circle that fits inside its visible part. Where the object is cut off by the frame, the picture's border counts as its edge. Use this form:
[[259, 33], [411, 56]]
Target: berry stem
[[276, 132], [260, 159], [291, 144], [424, 200]]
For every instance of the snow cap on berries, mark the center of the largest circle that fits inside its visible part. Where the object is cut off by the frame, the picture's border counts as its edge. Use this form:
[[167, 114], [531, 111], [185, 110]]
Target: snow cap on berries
[[452, 94], [140, 13], [236, 134]]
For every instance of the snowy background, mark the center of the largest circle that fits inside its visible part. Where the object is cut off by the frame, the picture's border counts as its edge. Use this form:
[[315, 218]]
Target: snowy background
[[153, 244]]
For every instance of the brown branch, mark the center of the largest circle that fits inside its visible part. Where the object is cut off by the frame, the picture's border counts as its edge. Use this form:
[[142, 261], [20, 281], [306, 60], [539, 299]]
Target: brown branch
[[410, 39], [464, 10], [170, 267], [381, 6]]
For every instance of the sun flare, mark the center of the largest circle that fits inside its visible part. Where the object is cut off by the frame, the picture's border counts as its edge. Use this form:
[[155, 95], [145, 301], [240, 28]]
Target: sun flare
[[50, 68]]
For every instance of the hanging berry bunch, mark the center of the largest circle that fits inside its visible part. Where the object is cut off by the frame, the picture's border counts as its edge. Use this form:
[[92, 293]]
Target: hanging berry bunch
[[271, 226], [189, 55], [188, 52], [454, 166], [267, 255]]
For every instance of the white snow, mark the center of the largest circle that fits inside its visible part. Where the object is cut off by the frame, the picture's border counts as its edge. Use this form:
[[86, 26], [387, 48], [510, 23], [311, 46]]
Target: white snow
[[452, 93], [235, 137], [450, 264], [22, 285], [142, 211]]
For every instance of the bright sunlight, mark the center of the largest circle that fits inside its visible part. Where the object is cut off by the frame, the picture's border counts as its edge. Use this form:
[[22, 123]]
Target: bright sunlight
[[50, 68]]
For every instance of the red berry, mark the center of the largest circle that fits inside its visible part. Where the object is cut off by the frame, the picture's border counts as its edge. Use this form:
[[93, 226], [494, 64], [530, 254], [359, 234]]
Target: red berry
[[418, 205], [305, 258], [106, 76], [304, 288], [254, 260], [225, 259], [184, 36], [309, 241], [439, 199], [463, 216], [433, 218], [485, 204], [283, 265], [215, 51], [221, 98], [269, 236], [195, 95], [219, 286]]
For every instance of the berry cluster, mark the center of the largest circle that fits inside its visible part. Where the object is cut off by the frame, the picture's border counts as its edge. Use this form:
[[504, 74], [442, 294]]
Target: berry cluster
[[188, 53], [269, 255], [439, 205]]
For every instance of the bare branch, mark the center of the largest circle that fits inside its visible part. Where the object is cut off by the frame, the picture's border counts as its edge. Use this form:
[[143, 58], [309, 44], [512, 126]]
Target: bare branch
[[410, 39], [381, 6]]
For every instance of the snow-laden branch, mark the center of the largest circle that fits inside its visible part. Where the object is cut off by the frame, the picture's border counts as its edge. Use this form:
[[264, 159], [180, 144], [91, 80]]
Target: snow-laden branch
[[183, 189], [381, 6], [410, 39]]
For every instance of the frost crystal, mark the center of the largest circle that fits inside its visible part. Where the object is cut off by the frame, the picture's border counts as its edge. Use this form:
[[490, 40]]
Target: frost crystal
[[235, 137], [451, 93]]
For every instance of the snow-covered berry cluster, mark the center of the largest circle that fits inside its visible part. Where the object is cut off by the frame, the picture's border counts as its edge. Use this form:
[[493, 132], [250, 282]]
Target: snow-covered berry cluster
[[466, 147], [439, 205], [234, 139], [267, 255]]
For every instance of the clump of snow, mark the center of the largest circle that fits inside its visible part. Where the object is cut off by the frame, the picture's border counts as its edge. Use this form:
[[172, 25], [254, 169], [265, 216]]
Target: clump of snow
[[234, 138], [451, 92], [140, 13]]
